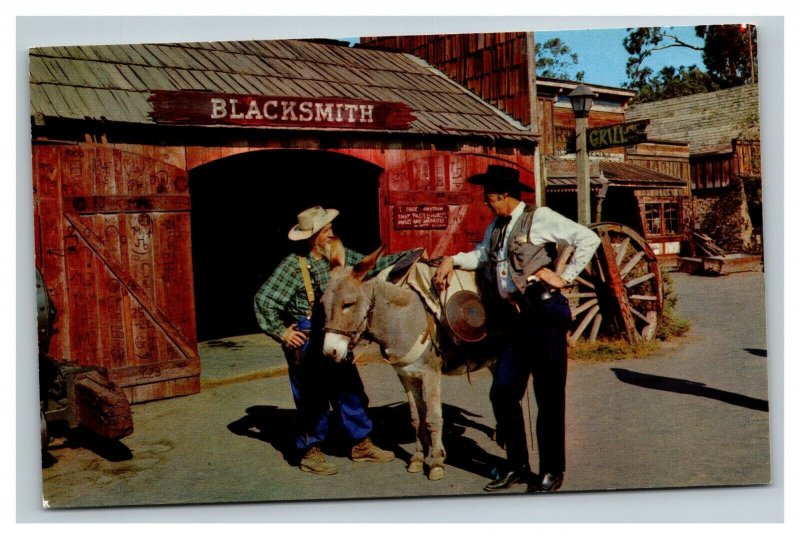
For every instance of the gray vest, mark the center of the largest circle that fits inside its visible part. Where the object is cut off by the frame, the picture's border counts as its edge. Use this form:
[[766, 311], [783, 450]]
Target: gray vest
[[524, 258]]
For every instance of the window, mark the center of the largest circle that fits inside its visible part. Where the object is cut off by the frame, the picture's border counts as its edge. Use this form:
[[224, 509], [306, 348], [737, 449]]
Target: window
[[652, 217], [671, 221], [662, 218]]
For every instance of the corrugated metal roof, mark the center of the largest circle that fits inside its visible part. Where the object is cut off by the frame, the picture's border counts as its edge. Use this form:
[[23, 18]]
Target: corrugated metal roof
[[626, 173], [615, 173], [707, 122], [113, 82]]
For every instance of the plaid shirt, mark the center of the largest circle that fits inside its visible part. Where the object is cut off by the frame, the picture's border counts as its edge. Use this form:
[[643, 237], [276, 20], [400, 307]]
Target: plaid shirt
[[282, 298]]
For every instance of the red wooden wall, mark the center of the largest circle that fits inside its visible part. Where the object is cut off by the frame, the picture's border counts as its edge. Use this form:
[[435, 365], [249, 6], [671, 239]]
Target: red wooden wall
[[114, 248], [113, 243]]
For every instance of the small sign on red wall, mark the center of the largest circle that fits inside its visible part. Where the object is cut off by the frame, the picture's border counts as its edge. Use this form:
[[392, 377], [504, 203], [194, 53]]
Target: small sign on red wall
[[420, 217], [207, 108]]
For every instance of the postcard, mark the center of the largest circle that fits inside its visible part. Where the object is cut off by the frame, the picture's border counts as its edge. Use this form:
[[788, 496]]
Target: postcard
[[399, 266]]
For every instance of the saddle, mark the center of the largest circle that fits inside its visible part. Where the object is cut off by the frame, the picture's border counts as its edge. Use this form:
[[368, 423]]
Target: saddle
[[461, 334]]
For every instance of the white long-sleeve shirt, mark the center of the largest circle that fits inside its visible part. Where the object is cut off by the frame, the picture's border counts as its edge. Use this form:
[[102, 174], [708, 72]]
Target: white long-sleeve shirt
[[548, 227]]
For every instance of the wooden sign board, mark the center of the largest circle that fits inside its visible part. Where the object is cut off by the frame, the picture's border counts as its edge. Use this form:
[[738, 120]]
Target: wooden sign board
[[207, 108], [566, 168], [610, 136], [420, 217]]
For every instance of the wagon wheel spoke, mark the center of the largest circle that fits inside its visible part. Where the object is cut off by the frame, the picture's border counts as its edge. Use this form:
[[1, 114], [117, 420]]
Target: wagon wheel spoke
[[595, 327], [584, 282], [585, 323], [585, 306], [577, 295], [649, 331], [639, 280], [643, 298], [623, 248], [640, 315], [631, 263]]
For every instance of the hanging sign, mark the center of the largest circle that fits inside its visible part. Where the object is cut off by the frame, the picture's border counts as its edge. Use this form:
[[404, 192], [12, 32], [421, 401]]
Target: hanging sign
[[609, 136], [207, 108], [420, 217]]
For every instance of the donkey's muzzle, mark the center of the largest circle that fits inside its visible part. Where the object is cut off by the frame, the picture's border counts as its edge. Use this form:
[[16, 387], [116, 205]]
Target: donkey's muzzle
[[336, 346]]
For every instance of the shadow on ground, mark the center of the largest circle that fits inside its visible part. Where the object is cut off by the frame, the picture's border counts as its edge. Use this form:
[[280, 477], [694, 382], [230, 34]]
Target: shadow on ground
[[687, 387], [108, 449], [391, 429]]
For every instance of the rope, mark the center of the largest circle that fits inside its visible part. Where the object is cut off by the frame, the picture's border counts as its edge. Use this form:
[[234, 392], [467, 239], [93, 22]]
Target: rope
[[530, 413]]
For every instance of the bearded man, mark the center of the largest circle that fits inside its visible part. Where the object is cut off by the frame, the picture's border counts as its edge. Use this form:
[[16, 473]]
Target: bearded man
[[324, 392]]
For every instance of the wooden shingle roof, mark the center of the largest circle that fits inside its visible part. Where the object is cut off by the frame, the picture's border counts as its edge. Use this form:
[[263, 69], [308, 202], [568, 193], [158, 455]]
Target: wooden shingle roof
[[707, 122], [113, 82]]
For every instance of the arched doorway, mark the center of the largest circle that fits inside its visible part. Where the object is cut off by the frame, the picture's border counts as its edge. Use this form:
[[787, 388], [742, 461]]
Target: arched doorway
[[242, 209]]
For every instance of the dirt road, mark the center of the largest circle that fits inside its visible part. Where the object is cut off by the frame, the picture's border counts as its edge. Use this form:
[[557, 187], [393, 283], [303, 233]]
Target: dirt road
[[694, 415]]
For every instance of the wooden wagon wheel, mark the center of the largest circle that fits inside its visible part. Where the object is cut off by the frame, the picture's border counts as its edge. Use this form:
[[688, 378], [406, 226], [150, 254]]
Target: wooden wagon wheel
[[620, 293]]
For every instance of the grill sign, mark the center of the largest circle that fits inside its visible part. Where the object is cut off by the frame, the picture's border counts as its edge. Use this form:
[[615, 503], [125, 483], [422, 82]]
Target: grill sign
[[623, 134], [420, 217], [206, 108]]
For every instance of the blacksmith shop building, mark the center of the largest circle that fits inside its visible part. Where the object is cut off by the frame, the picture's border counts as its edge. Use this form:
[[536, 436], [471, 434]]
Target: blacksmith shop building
[[166, 178]]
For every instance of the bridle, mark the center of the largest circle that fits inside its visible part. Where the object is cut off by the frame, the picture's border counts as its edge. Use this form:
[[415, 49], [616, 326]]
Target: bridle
[[354, 335]]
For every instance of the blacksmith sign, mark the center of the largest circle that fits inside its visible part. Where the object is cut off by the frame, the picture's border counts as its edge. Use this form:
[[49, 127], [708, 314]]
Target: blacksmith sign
[[609, 136], [420, 217], [206, 108]]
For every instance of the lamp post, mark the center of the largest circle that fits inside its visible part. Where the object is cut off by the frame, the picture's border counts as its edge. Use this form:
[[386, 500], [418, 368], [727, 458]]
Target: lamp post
[[581, 99]]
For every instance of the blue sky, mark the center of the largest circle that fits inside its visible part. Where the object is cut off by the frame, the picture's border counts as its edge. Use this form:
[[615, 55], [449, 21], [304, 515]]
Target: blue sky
[[603, 58]]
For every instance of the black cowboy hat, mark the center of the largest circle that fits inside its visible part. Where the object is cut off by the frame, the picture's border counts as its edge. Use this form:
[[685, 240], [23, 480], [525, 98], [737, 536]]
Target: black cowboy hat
[[499, 178]]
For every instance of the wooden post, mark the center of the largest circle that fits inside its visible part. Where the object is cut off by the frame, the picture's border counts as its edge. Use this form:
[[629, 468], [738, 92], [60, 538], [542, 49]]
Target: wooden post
[[582, 163], [540, 182]]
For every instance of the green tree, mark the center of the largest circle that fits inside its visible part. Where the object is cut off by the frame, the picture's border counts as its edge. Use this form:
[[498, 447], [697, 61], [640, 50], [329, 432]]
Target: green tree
[[555, 60], [671, 82], [726, 56], [726, 53]]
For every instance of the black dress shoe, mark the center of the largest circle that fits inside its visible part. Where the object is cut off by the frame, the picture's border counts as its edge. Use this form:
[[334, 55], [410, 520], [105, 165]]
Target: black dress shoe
[[548, 483], [511, 478]]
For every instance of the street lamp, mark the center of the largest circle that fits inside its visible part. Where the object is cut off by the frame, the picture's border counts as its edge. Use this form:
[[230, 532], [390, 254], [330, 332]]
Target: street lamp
[[581, 99]]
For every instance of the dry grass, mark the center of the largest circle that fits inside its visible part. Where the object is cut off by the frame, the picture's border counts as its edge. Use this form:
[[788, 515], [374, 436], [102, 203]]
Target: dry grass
[[671, 324], [602, 351]]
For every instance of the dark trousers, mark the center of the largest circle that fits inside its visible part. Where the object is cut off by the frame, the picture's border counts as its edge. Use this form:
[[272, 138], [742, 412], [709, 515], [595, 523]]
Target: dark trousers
[[327, 394], [536, 345]]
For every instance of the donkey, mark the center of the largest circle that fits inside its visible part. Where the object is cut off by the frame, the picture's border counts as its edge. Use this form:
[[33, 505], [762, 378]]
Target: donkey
[[397, 320]]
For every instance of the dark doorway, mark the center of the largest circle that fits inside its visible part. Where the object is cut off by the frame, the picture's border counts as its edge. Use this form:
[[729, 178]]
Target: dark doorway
[[622, 206], [242, 209]]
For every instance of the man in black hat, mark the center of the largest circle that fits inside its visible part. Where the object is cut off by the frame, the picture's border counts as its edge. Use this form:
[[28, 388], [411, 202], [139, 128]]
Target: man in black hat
[[516, 258]]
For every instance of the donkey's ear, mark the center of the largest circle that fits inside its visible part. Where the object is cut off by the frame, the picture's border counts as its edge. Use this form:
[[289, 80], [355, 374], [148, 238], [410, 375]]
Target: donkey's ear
[[337, 254], [367, 263]]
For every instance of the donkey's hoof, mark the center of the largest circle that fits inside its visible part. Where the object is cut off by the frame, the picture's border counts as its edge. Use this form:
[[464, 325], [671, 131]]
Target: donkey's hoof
[[436, 473], [415, 466]]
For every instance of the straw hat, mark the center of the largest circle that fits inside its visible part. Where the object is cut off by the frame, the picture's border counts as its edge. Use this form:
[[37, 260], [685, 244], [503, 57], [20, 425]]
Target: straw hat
[[311, 221]]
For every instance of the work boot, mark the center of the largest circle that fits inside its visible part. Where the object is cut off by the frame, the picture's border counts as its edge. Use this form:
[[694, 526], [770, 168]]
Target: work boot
[[314, 461], [366, 451]]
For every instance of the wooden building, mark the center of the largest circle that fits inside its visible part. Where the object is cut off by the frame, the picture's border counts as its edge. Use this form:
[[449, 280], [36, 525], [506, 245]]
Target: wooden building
[[654, 204], [557, 121], [721, 130], [166, 178], [499, 68]]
